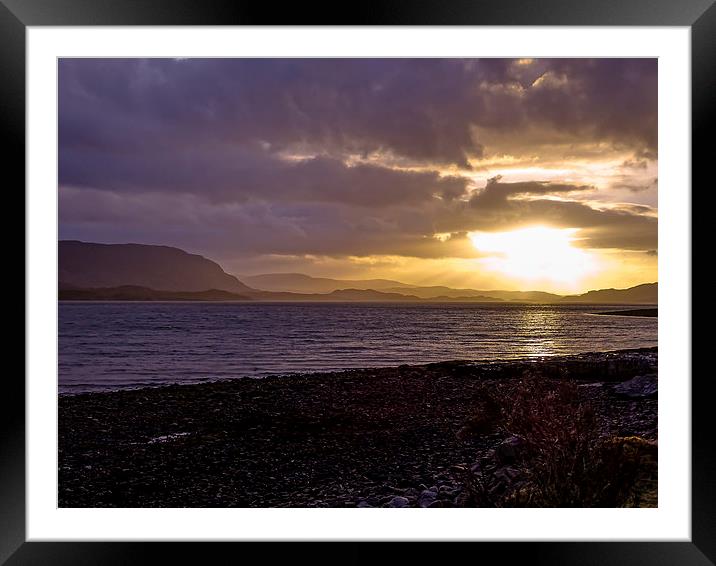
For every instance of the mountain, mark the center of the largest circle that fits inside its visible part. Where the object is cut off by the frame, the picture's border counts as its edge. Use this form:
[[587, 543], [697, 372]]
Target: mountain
[[89, 271], [134, 293], [524, 296], [373, 295], [89, 265], [340, 295], [300, 283], [647, 293], [437, 291]]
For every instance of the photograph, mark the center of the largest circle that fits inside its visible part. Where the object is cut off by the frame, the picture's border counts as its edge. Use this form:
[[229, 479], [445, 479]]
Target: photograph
[[287, 271], [396, 282]]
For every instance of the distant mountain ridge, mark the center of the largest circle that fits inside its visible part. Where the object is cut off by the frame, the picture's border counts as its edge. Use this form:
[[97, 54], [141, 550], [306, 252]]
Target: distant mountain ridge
[[89, 271], [162, 268], [361, 295], [647, 293], [301, 283], [134, 293], [495, 294]]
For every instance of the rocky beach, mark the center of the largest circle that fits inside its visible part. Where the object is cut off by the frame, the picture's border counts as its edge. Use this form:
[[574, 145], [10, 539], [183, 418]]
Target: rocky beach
[[406, 436]]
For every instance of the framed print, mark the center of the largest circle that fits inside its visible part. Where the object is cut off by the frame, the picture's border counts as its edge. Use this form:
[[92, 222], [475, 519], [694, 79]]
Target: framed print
[[288, 276]]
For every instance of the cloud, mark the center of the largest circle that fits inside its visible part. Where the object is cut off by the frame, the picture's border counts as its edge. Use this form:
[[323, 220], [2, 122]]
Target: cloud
[[497, 194], [349, 106], [494, 208], [609, 99], [425, 110], [250, 228], [233, 175], [348, 157], [637, 187], [340, 229]]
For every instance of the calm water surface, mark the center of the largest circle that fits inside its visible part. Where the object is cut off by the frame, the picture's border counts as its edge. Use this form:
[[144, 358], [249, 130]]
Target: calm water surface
[[115, 345]]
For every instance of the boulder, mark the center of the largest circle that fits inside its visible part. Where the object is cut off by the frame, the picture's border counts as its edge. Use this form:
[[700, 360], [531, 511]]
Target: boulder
[[642, 386], [399, 501], [427, 497]]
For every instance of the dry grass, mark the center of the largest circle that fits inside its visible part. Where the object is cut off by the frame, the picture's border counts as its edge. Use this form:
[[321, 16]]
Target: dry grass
[[565, 458]]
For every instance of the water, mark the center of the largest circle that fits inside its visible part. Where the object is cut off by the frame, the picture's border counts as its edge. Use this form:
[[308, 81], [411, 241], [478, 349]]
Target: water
[[104, 346]]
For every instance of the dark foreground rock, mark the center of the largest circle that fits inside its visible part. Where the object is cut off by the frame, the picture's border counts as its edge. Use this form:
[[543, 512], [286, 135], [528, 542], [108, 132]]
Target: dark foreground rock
[[361, 438], [640, 386]]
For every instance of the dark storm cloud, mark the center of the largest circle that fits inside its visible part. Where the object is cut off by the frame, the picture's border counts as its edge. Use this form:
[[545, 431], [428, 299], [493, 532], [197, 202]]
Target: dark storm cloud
[[337, 229], [301, 156], [359, 105], [250, 228], [613, 99], [422, 109], [496, 193], [227, 174]]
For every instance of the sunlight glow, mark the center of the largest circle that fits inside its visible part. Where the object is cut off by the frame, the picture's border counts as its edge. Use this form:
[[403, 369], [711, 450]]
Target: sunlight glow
[[535, 253]]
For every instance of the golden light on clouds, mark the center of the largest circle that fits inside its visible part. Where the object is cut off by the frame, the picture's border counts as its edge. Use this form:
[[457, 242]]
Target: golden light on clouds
[[535, 253]]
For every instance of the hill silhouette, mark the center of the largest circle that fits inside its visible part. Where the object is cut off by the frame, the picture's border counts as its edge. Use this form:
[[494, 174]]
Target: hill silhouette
[[162, 268], [301, 283], [135, 293], [647, 293]]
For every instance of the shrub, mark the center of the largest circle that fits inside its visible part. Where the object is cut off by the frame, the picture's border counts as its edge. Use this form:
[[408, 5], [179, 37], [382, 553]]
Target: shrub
[[560, 456]]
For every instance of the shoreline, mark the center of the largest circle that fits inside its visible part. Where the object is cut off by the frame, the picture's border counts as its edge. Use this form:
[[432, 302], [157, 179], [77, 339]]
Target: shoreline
[[355, 438], [336, 373], [647, 312]]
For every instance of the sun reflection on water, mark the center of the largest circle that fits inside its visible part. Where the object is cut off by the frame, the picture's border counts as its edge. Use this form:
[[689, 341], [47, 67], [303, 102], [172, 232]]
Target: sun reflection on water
[[543, 329]]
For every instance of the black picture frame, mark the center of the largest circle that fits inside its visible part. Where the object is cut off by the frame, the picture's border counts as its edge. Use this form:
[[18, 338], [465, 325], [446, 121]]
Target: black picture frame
[[16, 15]]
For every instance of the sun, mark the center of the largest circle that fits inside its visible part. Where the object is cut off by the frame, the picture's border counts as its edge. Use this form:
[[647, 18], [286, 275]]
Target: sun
[[535, 253]]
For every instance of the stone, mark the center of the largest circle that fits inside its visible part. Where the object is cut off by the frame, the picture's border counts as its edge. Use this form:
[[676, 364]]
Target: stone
[[399, 501], [641, 386], [507, 474], [427, 497]]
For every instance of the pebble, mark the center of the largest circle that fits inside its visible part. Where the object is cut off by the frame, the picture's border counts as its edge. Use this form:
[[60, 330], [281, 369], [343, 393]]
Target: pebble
[[427, 497], [399, 501]]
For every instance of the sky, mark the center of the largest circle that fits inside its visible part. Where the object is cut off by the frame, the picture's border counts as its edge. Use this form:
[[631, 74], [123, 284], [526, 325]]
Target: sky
[[482, 173]]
